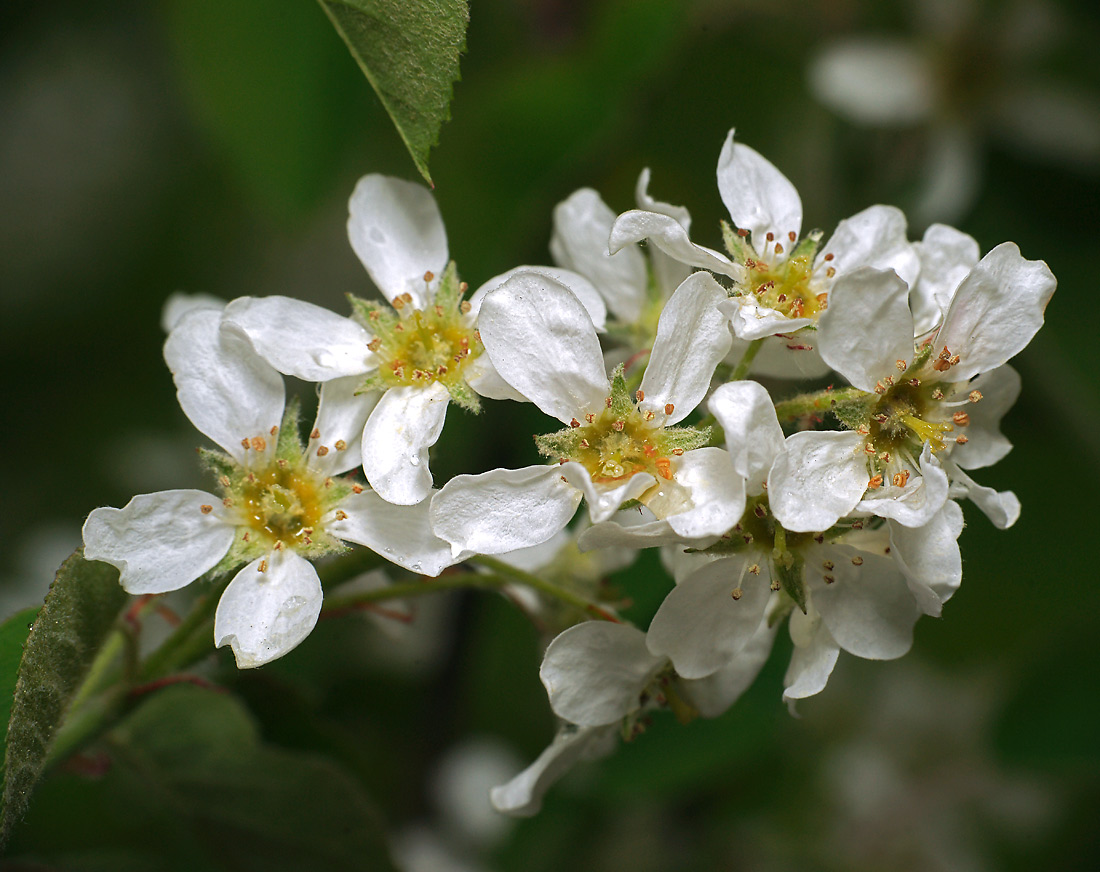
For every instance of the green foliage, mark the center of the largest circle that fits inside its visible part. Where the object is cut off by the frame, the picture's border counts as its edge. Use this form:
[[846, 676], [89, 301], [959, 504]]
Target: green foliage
[[200, 790], [408, 50], [13, 637], [80, 609]]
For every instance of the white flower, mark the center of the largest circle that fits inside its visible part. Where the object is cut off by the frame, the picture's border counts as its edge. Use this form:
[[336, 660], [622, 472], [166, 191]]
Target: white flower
[[914, 397], [870, 585], [603, 682], [279, 503], [616, 447], [582, 227], [420, 354], [781, 281]]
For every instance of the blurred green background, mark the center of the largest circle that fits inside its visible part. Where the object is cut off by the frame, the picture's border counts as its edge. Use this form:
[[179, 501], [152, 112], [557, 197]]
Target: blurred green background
[[149, 147]]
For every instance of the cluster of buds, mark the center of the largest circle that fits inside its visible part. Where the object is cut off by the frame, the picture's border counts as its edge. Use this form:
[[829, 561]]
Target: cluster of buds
[[835, 511]]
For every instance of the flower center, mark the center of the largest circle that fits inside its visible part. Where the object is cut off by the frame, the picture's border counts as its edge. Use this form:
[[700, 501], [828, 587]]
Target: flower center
[[424, 345], [621, 440], [282, 503], [786, 282]]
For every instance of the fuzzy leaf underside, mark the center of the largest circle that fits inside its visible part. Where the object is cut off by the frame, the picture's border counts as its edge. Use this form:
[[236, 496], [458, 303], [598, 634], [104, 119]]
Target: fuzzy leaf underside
[[81, 607], [408, 50]]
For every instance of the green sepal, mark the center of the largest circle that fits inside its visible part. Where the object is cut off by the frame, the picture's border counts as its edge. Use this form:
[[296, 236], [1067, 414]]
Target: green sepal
[[853, 413], [449, 294], [686, 438], [738, 246], [788, 569], [289, 447], [463, 395], [807, 245], [561, 444], [622, 400], [373, 382], [220, 464], [375, 316]]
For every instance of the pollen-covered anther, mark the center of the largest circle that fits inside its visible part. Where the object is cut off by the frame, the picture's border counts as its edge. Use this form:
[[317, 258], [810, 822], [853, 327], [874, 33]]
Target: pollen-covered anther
[[937, 394], [677, 451], [398, 303], [901, 365], [244, 443], [464, 307], [829, 579], [224, 481], [322, 450], [316, 434], [441, 370], [278, 544], [669, 408], [590, 417], [258, 443], [770, 237], [737, 593], [245, 537], [901, 478], [639, 395], [407, 297], [274, 430], [830, 272], [889, 381], [374, 344], [885, 457], [760, 511], [755, 569], [779, 248], [914, 382], [357, 488], [791, 235], [585, 443], [874, 483], [428, 276], [206, 510], [228, 502], [857, 561], [819, 538], [607, 402], [341, 515], [880, 388], [864, 430], [961, 419], [649, 416], [961, 440], [618, 426], [869, 449], [282, 462], [574, 422], [974, 396], [340, 445], [775, 584], [823, 301], [828, 564], [263, 566], [328, 483]]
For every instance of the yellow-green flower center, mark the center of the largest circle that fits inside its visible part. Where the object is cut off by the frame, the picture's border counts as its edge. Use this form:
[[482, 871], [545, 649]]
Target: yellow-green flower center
[[281, 503]]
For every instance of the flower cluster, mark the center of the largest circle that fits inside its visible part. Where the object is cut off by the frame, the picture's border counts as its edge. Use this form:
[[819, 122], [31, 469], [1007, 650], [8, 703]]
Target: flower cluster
[[834, 510]]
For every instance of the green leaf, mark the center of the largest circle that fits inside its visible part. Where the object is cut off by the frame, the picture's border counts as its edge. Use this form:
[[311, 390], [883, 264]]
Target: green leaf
[[408, 50], [80, 609], [13, 636]]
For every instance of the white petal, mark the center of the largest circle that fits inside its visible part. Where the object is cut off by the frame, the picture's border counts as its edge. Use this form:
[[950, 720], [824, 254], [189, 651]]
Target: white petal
[[750, 320], [758, 197], [482, 377], [812, 660], [504, 509], [1000, 389], [594, 672], [1001, 507], [915, 504], [700, 626], [401, 534], [540, 556], [929, 557], [605, 499], [874, 81], [542, 342], [581, 287], [868, 608], [406, 422], [713, 695], [816, 479], [876, 237], [784, 358], [396, 230], [614, 534], [301, 339], [341, 416], [522, 796], [671, 237], [716, 491], [161, 541], [867, 327], [996, 310], [179, 304], [264, 615], [692, 338], [582, 223], [223, 386], [754, 438], [647, 204], [946, 257]]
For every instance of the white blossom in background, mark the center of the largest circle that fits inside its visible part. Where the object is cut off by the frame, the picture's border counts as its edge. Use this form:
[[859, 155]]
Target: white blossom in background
[[781, 279], [635, 284], [963, 76], [616, 446], [924, 413], [280, 502]]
